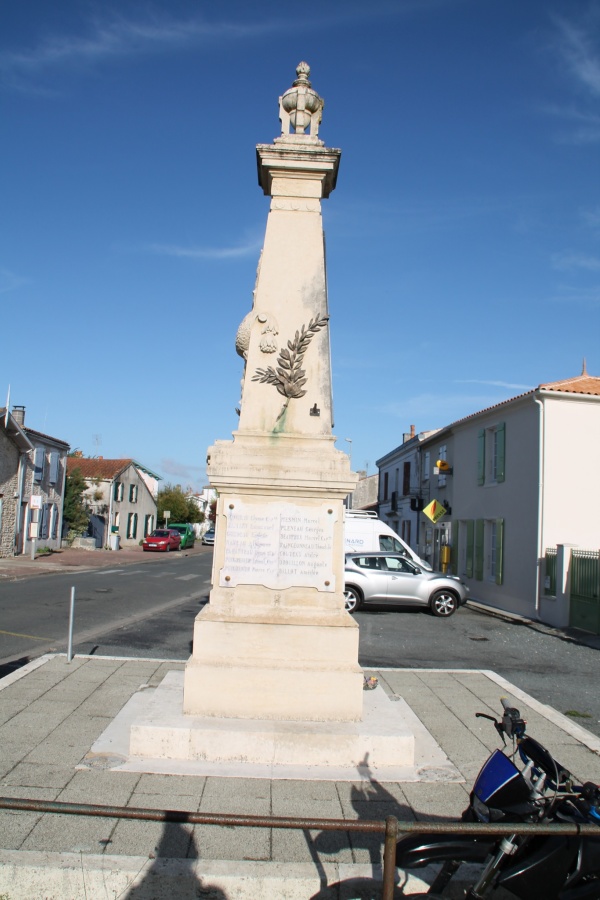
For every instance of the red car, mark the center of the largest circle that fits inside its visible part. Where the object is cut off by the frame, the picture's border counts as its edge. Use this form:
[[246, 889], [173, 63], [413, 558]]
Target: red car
[[162, 539]]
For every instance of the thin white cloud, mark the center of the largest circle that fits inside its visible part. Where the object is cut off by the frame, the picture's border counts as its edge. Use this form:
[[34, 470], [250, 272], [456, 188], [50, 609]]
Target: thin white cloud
[[592, 218], [242, 250], [575, 296], [181, 470], [10, 282], [577, 49], [578, 52], [438, 410], [122, 37], [502, 384], [112, 36], [584, 125], [567, 261]]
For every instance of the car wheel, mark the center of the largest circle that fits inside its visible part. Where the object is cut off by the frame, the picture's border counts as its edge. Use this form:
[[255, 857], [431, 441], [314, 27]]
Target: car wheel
[[352, 599], [443, 604]]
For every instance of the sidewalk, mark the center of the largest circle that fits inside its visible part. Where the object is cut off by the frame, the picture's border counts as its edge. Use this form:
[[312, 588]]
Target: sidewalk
[[67, 560], [51, 712]]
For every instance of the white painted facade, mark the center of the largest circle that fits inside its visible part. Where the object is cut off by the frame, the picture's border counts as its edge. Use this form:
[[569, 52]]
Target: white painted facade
[[521, 479]]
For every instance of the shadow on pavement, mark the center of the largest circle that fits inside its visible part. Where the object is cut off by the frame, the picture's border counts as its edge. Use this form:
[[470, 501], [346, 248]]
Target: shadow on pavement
[[176, 844]]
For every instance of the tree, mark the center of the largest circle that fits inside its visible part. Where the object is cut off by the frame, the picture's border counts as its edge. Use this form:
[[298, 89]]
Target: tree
[[183, 509], [75, 512]]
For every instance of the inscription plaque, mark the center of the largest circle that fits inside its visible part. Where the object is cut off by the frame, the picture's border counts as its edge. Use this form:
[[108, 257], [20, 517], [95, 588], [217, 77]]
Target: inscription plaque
[[278, 545]]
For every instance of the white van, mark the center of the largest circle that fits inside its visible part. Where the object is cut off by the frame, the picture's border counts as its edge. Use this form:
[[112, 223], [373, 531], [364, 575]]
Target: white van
[[363, 530]]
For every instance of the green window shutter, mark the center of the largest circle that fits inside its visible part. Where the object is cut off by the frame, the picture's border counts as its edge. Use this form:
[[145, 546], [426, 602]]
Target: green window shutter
[[469, 549], [500, 451], [499, 550], [481, 456], [479, 549], [454, 550]]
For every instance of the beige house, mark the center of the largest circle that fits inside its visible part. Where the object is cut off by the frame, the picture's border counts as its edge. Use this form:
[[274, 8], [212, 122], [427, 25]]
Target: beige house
[[121, 495], [515, 479], [32, 485]]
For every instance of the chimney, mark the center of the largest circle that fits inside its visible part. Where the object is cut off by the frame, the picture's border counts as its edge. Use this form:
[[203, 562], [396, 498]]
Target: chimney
[[412, 431], [18, 414], [407, 437]]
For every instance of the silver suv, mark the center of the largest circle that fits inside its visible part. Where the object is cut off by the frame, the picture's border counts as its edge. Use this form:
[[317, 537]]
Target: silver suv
[[392, 578]]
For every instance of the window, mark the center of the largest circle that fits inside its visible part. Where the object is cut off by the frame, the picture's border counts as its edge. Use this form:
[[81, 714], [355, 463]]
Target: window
[[426, 465], [44, 521], [406, 479], [133, 493], [117, 519], [118, 491], [399, 565], [469, 548], [405, 534], [385, 485], [494, 538], [442, 475], [38, 464], [491, 447], [367, 562], [148, 524], [481, 551], [54, 459], [54, 521], [132, 520], [390, 544]]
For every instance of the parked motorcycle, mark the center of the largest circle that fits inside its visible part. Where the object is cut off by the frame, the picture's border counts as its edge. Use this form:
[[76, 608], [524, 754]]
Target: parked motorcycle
[[531, 867]]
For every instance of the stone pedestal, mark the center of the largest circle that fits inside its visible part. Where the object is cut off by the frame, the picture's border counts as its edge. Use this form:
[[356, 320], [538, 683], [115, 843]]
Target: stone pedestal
[[275, 641]]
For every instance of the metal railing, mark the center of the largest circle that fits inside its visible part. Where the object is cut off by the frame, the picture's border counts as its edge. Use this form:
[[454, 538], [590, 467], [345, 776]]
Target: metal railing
[[391, 827], [550, 572]]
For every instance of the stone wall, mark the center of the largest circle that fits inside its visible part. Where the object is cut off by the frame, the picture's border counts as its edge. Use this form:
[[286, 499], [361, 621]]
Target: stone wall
[[9, 471]]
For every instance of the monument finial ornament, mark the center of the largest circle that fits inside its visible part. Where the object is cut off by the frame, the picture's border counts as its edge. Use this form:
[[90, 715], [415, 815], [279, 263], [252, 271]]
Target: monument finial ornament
[[301, 109]]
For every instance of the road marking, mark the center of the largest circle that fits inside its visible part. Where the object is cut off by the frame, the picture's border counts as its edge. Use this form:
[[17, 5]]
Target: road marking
[[134, 572], [32, 637], [186, 577], [109, 571]]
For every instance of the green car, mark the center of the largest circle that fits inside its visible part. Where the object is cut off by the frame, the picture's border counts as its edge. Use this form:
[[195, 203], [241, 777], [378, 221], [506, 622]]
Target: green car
[[188, 536]]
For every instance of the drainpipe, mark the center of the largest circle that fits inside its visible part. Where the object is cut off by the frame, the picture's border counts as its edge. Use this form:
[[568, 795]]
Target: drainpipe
[[19, 501], [111, 491], [540, 522]]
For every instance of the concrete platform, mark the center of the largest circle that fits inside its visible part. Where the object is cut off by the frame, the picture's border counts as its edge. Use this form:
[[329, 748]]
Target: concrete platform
[[52, 713], [151, 734]]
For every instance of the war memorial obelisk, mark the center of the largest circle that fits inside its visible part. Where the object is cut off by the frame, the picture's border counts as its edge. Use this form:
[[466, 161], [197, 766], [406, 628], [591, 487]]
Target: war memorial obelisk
[[275, 641], [273, 686]]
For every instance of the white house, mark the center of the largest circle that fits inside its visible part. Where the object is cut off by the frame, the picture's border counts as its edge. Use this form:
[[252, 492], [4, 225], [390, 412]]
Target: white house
[[515, 479], [402, 483], [121, 495], [32, 485]]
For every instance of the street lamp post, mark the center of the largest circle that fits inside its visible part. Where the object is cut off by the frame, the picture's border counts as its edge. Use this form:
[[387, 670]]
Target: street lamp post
[[349, 440]]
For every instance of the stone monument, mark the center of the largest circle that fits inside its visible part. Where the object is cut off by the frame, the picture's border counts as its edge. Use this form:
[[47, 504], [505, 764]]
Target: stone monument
[[273, 687], [275, 642]]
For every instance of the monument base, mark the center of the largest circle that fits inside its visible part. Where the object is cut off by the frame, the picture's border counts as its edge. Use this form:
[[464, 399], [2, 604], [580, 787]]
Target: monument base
[[279, 665], [381, 739]]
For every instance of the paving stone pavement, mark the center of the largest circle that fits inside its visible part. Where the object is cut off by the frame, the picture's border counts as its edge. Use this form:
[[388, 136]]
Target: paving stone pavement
[[52, 711]]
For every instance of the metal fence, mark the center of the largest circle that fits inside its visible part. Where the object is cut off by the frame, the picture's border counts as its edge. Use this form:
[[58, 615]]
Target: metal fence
[[585, 590], [550, 572], [391, 828]]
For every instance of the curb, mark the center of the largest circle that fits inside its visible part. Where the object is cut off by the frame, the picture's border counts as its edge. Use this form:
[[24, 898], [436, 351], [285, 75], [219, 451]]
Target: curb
[[34, 875]]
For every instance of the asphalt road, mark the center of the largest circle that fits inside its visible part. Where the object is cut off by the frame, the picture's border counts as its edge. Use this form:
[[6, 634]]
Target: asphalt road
[[148, 611], [134, 610]]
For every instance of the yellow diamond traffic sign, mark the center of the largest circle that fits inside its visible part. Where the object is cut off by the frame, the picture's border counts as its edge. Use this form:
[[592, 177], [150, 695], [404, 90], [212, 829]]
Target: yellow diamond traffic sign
[[434, 511]]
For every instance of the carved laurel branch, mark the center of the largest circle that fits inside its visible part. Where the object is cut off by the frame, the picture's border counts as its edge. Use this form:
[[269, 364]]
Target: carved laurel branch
[[289, 376]]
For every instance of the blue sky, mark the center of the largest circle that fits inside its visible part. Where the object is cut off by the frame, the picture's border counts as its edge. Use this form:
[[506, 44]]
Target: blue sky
[[463, 238]]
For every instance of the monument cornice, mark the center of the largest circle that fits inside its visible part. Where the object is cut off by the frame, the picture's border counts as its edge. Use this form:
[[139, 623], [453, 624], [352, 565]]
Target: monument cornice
[[296, 161]]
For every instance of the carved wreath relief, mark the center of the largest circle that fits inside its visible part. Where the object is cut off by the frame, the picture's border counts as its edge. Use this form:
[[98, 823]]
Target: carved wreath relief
[[289, 377]]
